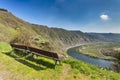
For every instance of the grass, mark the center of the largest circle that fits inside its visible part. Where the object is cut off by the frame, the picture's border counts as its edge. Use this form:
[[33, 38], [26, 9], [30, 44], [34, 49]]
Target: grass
[[6, 33], [92, 71], [16, 65], [95, 49], [4, 47]]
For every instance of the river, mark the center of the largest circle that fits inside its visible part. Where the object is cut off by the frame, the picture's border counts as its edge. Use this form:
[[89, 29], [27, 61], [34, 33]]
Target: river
[[95, 61]]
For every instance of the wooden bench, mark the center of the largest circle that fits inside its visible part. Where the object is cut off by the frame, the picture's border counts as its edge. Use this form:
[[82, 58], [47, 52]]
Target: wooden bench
[[39, 52]]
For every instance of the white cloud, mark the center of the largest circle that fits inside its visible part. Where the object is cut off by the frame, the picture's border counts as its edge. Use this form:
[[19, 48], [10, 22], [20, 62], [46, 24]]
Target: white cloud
[[104, 17]]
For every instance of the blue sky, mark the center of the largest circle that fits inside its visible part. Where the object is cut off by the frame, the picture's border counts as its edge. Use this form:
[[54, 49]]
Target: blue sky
[[84, 15]]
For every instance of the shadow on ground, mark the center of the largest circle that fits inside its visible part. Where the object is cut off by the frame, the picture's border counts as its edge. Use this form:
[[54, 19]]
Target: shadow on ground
[[28, 60]]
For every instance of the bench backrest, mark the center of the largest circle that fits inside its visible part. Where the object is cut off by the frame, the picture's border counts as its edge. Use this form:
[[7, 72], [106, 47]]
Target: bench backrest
[[19, 46], [45, 53], [37, 51]]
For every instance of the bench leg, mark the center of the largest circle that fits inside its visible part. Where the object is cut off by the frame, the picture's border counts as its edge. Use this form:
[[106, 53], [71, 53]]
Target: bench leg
[[32, 55], [55, 64], [60, 62], [26, 52]]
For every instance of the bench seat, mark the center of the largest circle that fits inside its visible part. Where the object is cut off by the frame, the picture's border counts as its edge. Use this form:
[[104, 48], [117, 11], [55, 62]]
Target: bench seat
[[38, 52]]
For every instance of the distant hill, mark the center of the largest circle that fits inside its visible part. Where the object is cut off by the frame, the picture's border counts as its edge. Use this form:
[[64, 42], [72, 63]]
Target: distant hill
[[114, 37], [15, 30]]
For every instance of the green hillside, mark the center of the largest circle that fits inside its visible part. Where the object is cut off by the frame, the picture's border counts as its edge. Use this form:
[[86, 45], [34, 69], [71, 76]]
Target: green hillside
[[15, 30], [15, 66], [114, 37]]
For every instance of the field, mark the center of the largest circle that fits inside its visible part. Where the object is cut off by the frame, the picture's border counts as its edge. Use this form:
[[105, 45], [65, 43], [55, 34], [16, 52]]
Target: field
[[15, 66], [98, 49]]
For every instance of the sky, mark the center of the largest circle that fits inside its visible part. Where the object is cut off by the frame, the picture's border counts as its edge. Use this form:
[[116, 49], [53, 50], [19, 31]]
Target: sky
[[84, 15]]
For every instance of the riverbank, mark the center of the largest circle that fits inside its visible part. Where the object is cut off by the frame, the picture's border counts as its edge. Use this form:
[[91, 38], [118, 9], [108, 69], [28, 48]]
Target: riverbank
[[95, 50], [97, 57], [77, 45], [82, 57]]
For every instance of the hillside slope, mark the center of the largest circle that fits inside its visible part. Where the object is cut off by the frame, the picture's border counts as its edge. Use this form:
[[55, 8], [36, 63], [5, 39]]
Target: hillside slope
[[15, 30], [15, 66], [114, 37]]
